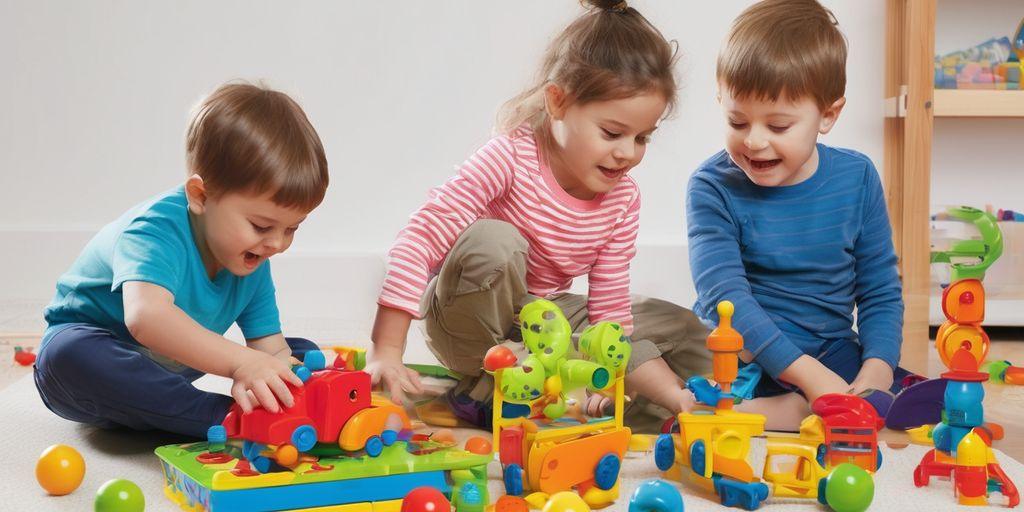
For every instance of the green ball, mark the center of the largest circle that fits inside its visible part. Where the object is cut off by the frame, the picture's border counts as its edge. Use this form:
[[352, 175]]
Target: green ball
[[849, 488], [119, 495]]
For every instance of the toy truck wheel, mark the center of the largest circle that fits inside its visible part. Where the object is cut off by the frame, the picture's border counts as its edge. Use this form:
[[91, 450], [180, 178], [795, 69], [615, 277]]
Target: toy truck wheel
[[697, 457], [261, 464], [607, 471], [304, 438], [374, 446], [878, 458], [389, 437], [513, 477], [822, 450], [664, 452], [251, 450]]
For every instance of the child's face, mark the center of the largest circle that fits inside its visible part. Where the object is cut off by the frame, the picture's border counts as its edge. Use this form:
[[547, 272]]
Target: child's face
[[597, 143], [774, 142], [240, 231]]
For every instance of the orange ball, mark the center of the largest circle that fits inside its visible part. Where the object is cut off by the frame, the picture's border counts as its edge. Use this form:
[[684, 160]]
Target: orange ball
[[60, 469], [478, 445], [511, 504]]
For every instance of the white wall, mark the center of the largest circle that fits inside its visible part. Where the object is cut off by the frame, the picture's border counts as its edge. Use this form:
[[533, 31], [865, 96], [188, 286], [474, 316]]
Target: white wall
[[96, 97]]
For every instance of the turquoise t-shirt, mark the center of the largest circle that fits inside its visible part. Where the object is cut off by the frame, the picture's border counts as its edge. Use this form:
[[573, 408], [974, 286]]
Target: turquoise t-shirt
[[152, 242]]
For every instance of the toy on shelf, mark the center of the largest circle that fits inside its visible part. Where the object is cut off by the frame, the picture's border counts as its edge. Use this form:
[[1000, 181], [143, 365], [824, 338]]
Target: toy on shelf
[[962, 440], [709, 447], [60, 469], [334, 407], [989, 65], [541, 449], [24, 356], [656, 496], [119, 495]]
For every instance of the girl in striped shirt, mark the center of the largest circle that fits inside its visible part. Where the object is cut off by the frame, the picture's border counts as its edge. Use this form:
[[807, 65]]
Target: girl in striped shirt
[[544, 202]]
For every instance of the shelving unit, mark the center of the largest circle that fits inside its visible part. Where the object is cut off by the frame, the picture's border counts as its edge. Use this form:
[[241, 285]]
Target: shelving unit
[[912, 103]]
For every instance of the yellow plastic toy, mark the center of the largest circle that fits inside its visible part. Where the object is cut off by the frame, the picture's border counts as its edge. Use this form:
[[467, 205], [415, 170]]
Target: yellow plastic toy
[[60, 469], [711, 448], [544, 451]]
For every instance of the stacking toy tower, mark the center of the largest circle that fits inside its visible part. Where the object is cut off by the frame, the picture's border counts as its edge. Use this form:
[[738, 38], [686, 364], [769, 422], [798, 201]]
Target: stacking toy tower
[[713, 445], [963, 441]]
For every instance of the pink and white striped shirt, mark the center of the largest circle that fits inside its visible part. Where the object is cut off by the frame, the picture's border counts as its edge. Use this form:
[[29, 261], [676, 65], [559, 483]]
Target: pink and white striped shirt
[[568, 237]]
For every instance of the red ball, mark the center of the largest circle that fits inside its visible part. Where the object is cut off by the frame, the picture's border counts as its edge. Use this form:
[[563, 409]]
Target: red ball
[[425, 499], [498, 357]]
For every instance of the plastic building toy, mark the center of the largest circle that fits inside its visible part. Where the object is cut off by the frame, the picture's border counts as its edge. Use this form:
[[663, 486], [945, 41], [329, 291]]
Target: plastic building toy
[[566, 501], [119, 496], [60, 469], [479, 445], [712, 446], [962, 440], [656, 496], [709, 447], [333, 407], [849, 488], [24, 356], [327, 478], [917, 405], [1005, 372], [425, 499], [542, 451]]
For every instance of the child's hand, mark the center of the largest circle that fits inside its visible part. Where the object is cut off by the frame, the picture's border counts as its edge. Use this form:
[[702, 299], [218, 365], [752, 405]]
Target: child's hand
[[687, 401], [396, 378], [598, 405], [874, 374], [266, 377]]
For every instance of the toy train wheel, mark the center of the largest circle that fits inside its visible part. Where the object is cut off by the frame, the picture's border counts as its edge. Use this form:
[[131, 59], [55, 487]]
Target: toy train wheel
[[374, 446], [251, 450], [878, 458], [513, 477], [697, 454], [260, 464], [304, 438], [822, 487], [389, 437], [822, 450], [607, 471], [664, 452]]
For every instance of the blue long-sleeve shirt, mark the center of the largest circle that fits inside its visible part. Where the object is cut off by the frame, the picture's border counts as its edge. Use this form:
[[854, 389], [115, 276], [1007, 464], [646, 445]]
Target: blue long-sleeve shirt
[[796, 260]]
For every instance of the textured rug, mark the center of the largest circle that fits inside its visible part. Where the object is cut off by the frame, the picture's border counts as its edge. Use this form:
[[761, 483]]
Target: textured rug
[[28, 427]]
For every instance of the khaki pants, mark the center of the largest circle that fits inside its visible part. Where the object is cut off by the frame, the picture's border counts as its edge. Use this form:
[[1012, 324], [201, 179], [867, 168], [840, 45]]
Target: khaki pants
[[472, 305]]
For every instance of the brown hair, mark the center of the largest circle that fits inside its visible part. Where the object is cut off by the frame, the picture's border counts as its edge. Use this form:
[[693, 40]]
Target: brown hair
[[789, 48], [610, 52], [249, 138]]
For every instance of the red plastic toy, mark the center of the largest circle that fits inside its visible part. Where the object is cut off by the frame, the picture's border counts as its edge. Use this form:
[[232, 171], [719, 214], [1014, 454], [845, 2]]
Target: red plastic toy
[[851, 428], [425, 499], [24, 356], [334, 406]]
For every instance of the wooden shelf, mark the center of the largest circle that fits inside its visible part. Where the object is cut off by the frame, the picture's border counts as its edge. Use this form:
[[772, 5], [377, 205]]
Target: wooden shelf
[[978, 103]]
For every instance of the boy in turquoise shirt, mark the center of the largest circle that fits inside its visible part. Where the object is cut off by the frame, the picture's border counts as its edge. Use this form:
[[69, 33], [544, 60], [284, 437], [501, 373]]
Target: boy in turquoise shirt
[[142, 312]]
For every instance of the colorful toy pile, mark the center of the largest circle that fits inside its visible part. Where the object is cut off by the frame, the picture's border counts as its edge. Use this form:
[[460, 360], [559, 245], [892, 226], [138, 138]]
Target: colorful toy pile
[[538, 448], [709, 447], [963, 440], [994, 64], [337, 445]]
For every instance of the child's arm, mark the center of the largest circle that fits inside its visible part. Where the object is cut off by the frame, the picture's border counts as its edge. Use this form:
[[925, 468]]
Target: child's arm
[[877, 291], [421, 247], [608, 297], [718, 274], [154, 320], [385, 359], [275, 345]]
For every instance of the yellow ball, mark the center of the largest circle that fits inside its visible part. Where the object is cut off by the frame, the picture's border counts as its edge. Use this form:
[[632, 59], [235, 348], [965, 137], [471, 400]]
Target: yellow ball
[[566, 501], [60, 469]]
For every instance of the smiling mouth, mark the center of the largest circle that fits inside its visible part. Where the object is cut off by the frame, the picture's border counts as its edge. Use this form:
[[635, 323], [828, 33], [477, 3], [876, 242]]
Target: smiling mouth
[[612, 173], [251, 259], [763, 165]]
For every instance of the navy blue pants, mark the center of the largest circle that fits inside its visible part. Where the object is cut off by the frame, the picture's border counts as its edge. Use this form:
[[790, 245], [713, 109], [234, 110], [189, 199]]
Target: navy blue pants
[[87, 374], [842, 357]]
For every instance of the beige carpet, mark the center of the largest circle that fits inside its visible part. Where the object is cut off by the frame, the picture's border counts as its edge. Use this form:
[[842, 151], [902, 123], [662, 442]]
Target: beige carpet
[[28, 427]]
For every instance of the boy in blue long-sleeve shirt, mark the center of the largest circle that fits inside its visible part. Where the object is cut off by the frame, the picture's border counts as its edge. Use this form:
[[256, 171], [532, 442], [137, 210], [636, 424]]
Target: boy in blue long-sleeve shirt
[[793, 232]]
